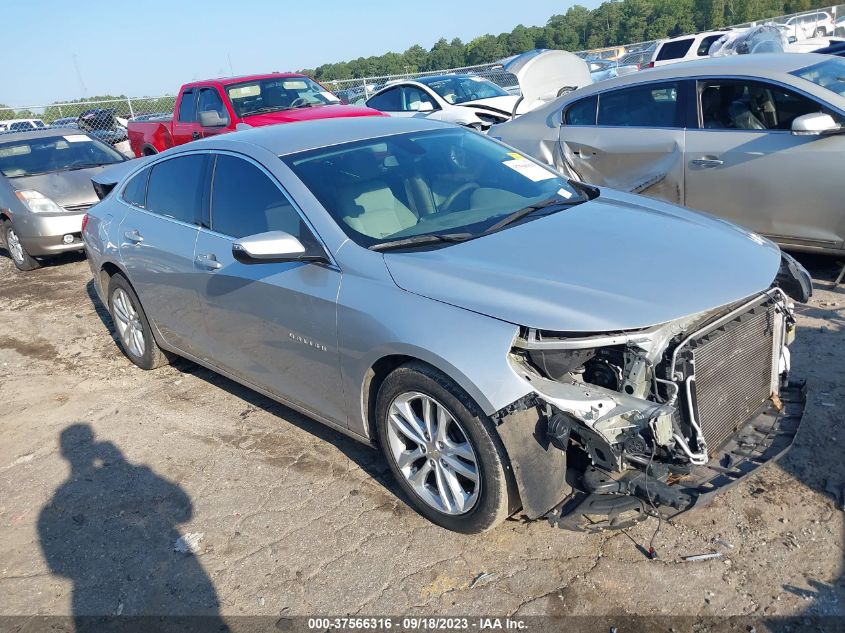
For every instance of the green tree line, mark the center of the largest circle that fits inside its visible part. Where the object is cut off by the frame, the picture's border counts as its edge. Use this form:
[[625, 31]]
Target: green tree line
[[613, 23]]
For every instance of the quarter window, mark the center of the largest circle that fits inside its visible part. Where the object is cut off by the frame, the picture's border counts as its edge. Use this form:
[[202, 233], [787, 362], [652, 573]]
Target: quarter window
[[135, 191], [245, 201], [186, 107], [651, 105], [177, 187], [582, 112]]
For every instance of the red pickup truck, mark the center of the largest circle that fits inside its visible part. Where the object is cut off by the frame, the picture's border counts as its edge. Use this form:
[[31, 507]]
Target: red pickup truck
[[215, 106]]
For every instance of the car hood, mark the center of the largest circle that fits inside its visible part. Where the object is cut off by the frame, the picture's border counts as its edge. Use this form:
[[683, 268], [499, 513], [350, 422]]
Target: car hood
[[308, 114], [65, 188], [502, 105], [619, 262]]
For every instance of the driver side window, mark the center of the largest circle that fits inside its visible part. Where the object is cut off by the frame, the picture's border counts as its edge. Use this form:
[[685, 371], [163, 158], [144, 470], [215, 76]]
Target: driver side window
[[415, 100], [750, 105], [210, 101]]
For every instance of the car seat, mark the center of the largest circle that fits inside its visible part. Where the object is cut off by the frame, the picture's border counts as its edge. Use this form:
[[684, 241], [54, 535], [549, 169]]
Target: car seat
[[742, 117], [711, 106]]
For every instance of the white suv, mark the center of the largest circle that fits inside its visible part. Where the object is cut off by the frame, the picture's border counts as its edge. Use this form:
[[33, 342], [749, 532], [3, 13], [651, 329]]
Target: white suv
[[21, 125], [684, 48], [807, 25]]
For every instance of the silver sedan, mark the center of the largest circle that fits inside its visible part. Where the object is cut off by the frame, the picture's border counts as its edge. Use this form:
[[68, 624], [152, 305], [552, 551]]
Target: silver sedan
[[755, 139], [45, 190], [507, 337]]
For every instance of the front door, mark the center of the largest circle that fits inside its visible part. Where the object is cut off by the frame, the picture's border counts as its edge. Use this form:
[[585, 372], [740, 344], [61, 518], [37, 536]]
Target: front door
[[157, 236], [630, 139], [272, 324], [745, 165], [185, 126]]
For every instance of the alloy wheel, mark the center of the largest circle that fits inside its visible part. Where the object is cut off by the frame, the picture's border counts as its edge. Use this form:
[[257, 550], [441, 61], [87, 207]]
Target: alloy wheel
[[433, 453], [128, 323], [14, 245]]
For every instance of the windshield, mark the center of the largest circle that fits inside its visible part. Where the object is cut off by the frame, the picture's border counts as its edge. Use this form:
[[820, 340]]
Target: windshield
[[54, 153], [463, 88], [828, 74], [282, 93], [424, 183]]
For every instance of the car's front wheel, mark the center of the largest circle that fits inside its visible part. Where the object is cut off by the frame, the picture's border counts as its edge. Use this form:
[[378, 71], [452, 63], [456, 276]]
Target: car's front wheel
[[133, 328], [22, 260], [443, 451]]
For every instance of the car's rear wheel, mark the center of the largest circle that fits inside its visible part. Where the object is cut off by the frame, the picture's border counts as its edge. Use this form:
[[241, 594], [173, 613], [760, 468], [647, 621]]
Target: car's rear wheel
[[820, 32], [133, 328], [443, 451], [22, 260]]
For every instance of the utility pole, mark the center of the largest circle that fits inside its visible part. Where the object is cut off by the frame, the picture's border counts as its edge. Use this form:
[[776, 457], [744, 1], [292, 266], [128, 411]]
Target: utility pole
[[79, 76]]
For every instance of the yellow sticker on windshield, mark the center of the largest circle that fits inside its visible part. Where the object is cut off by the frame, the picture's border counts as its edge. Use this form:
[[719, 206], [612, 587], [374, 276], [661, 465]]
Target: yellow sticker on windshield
[[516, 155]]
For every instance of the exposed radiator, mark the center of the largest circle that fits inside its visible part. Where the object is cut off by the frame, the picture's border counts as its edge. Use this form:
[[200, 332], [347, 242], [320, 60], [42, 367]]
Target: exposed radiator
[[735, 369]]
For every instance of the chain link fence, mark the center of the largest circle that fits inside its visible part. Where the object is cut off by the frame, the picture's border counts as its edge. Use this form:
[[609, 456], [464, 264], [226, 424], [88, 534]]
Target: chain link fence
[[108, 119]]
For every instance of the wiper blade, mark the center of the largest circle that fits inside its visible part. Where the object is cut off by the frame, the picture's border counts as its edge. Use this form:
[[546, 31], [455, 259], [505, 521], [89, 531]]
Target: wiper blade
[[421, 240], [517, 215]]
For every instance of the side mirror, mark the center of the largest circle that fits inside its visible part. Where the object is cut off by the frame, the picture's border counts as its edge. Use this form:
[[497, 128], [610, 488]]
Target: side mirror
[[212, 118], [815, 124], [274, 247]]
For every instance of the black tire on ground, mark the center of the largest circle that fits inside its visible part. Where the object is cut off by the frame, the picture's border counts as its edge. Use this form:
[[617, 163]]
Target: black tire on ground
[[152, 356], [21, 259], [498, 497], [820, 32]]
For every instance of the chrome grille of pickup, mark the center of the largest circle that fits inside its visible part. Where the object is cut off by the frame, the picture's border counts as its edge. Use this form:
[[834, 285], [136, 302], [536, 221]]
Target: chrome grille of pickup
[[77, 208], [733, 372]]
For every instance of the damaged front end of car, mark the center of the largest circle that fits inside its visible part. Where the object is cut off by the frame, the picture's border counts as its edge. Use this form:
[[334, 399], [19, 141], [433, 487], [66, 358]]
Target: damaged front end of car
[[621, 425]]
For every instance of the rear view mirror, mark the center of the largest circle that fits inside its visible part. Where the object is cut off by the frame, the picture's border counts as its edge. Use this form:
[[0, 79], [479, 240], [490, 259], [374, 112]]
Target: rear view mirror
[[212, 118], [273, 247], [814, 124]]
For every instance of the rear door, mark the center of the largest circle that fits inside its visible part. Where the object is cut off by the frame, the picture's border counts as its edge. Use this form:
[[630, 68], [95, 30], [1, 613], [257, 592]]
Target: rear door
[[272, 324], [185, 126], [629, 138], [157, 236], [744, 164]]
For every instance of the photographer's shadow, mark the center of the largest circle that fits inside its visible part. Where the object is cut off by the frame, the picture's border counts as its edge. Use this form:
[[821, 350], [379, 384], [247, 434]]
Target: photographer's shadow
[[111, 528]]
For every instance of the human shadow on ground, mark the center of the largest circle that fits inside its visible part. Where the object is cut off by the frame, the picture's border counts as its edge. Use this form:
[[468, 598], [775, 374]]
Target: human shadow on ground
[[112, 529]]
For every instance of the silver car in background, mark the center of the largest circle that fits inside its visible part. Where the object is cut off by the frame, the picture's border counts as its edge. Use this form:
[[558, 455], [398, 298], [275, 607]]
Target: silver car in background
[[507, 337], [45, 190], [754, 139]]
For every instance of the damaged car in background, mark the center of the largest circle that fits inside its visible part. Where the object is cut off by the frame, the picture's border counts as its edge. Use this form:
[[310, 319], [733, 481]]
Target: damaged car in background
[[754, 139], [509, 338]]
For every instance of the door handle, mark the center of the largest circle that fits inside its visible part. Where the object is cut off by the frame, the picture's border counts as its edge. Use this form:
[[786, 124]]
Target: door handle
[[195, 134], [209, 261], [133, 236], [706, 163]]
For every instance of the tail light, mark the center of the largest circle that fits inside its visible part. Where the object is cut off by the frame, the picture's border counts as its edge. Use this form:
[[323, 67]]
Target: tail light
[[639, 66], [84, 222], [650, 65]]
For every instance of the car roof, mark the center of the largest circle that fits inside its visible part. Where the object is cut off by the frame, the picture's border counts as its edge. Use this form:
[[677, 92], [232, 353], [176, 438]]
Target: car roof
[[758, 65], [228, 81], [296, 137], [39, 133], [425, 80], [702, 35]]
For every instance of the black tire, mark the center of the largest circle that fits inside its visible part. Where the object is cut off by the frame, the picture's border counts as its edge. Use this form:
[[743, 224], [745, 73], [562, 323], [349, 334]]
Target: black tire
[[820, 32], [22, 260], [497, 497], [151, 356]]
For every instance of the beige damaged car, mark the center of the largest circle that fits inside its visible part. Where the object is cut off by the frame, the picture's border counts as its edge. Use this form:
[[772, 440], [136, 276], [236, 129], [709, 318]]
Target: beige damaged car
[[755, 139]]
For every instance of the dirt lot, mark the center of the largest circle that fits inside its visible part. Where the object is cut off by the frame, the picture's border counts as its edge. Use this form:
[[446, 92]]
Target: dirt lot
[[103, 466]]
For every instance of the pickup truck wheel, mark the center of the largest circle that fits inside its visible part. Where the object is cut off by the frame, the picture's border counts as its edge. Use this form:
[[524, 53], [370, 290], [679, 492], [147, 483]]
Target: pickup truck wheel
[[443, 451], [22, 260], [133, 328]]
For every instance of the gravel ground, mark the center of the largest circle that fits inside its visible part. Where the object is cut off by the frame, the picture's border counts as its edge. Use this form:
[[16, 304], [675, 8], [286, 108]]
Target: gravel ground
[[103, 467]]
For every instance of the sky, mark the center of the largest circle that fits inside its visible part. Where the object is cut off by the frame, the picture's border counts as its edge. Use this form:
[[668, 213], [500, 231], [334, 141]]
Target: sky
[[59, 50]]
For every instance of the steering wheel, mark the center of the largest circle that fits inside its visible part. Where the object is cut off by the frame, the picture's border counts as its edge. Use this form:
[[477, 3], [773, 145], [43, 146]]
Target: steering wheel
[[448, 202], [299, 101]]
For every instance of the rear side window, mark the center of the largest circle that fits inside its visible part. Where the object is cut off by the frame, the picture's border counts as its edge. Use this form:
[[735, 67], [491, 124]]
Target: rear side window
[[387, 101], [651, 105], [135, 191], [674, 50], [186, 106], [582, 112], [177, 187], [706, 43], [245, 201]]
